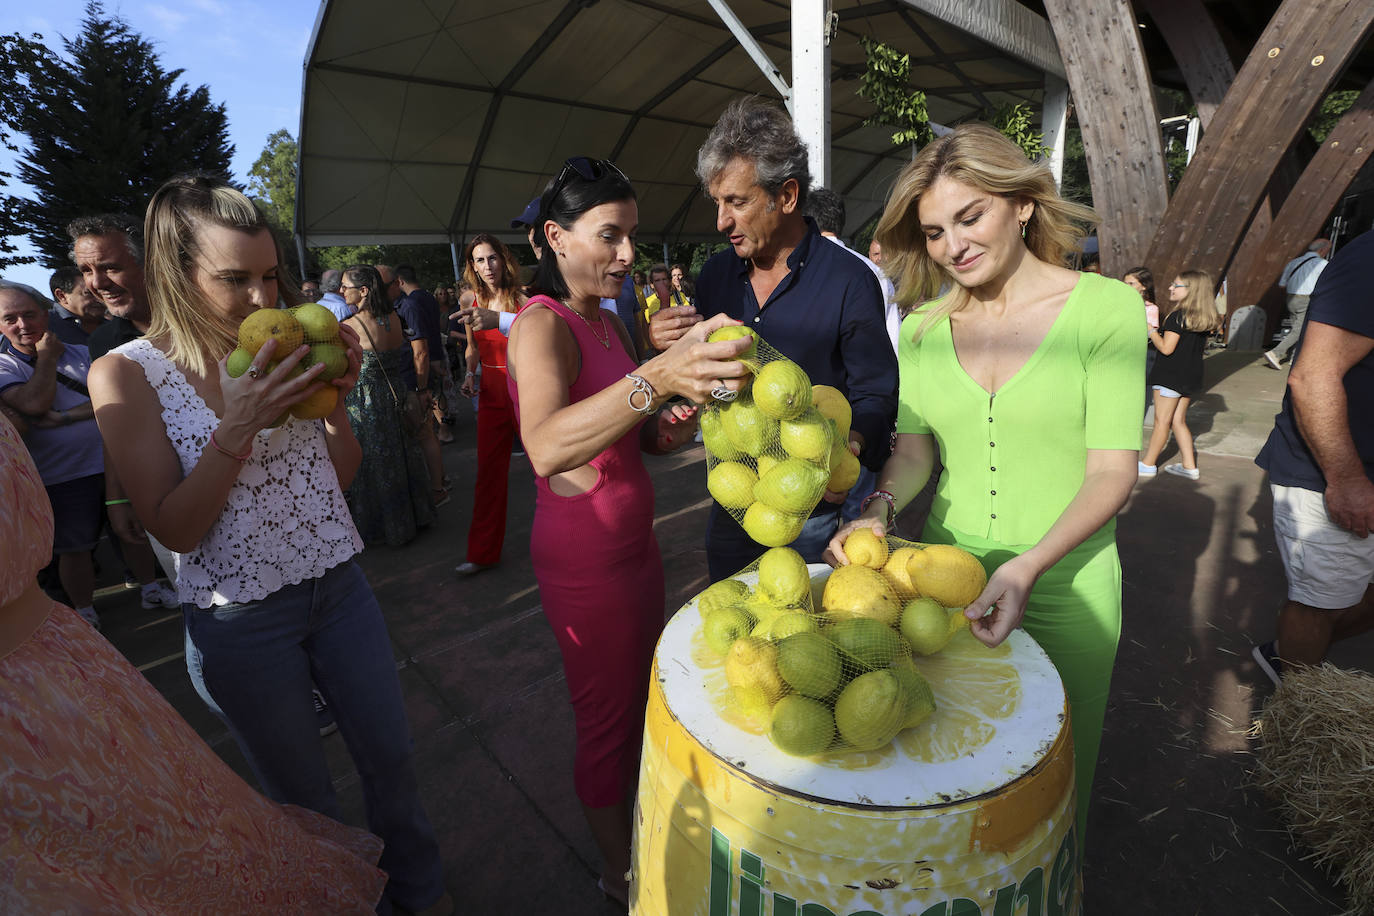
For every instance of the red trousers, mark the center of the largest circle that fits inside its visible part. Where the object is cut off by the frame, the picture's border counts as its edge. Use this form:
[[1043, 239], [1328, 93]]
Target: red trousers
[[495, 436]]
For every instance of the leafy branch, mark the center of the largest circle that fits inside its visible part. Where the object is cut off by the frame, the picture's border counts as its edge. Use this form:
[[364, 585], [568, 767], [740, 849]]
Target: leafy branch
[[886, 84]]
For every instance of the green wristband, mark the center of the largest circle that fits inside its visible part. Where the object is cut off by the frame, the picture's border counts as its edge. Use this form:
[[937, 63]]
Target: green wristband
[[116, 502]]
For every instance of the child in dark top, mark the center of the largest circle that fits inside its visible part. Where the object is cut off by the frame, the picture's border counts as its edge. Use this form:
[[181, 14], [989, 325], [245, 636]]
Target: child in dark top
[[1176, 376]]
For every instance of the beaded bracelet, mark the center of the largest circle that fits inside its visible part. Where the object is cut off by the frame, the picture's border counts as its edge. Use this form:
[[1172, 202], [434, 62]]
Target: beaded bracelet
[[887, 498], [643, 387], [224, 451]]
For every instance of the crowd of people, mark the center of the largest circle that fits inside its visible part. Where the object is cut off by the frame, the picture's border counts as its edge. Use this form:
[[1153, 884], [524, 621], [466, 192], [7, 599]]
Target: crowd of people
[[962, 337]]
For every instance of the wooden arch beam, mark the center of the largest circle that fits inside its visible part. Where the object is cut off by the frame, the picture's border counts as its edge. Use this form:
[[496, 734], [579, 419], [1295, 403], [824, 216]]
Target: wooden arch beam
[[1196, 44], [1117, 114], [1299, 55], [1315, 195]]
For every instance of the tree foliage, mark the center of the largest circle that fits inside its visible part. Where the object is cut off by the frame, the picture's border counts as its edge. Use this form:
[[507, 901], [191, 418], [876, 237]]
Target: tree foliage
[[886, 84], [20, 55], [105, 128], [1017, 124], [272, 182], [1329, 112]]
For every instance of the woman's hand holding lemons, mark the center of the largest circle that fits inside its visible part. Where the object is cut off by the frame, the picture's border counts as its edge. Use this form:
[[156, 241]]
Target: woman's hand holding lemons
[[262, 393], [692, 367], [834, 552]]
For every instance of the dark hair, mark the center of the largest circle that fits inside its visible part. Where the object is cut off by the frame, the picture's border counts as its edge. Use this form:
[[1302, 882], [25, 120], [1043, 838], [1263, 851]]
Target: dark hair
[[757, 130], [564, 204], [826, 207], [1146, 278], [405, 273], [374, 303], [64, 279], [106, 224]]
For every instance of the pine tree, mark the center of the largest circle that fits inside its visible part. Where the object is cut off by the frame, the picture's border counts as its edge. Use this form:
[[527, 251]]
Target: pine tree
[[105, 129]]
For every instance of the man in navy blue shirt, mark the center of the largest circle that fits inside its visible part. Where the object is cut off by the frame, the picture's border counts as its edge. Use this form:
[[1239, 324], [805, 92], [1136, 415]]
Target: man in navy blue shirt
[[420, 310], [1320, 459], [813, 301]]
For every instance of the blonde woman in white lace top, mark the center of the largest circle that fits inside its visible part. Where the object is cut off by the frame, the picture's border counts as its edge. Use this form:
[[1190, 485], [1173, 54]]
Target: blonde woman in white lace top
[[255, 515]]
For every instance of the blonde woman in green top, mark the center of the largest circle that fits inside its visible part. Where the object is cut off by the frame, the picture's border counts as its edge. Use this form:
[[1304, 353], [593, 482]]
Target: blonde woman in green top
[[1027, 376]]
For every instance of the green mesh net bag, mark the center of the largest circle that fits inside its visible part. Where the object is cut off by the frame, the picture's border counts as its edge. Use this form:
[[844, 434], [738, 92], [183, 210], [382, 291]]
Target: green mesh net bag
[[769, 452], [828, 664]]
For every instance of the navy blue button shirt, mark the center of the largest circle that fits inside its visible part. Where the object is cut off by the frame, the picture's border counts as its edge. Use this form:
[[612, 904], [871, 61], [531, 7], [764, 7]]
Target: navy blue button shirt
[[827, 317], [1340, 299]]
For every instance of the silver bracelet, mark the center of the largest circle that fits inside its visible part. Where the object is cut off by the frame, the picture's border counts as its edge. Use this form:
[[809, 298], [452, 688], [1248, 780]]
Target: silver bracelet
[[641, 387]]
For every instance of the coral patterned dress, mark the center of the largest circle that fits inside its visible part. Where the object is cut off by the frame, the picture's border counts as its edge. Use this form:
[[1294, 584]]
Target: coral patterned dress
[[109, 802]]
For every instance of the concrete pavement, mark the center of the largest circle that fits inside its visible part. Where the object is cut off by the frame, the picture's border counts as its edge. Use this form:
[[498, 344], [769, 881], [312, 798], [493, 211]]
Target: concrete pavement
[[1175, 826]]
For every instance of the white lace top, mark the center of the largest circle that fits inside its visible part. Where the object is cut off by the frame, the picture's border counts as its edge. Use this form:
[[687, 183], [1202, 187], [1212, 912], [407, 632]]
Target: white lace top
[[285, 520]]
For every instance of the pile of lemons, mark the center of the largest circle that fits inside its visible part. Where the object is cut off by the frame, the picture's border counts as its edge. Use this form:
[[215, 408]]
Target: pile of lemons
[[844, 676], [774, 451], [310, 324]]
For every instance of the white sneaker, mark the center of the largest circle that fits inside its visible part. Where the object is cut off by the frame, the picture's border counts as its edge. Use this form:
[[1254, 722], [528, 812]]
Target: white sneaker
[[1181, 471], [158, 595], [89, 615], [1272, 360], [1145, 470]]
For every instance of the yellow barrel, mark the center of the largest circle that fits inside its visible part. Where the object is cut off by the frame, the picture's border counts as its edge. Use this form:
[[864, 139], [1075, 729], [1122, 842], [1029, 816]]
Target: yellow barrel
[[728, 825]]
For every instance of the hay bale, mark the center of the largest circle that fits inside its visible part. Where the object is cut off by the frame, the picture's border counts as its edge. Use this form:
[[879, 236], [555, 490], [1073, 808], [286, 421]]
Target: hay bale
[[1316, 762]]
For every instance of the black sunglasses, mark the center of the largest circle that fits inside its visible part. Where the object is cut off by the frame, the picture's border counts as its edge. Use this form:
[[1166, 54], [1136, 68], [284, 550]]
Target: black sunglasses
[[585, 168]]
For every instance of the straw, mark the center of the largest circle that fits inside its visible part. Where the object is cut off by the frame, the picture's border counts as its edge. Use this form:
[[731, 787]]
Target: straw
[[1316, 762]]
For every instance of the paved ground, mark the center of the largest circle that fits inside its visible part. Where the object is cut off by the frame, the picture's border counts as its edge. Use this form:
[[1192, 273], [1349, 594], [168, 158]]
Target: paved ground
[[1174, 828]]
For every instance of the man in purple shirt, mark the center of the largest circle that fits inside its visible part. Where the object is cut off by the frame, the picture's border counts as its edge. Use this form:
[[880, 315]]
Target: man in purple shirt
[[45, 381]]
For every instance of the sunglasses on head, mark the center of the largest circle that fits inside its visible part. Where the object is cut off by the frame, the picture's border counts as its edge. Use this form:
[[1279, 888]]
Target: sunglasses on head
[[585, 168]]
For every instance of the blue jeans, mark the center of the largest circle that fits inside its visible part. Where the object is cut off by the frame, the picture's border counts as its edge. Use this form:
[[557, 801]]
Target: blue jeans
[[729, 549], [254, 664], [853, 503]]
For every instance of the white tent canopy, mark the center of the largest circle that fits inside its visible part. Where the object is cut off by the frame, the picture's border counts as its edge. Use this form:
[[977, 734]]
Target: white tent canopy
[[432, 120]]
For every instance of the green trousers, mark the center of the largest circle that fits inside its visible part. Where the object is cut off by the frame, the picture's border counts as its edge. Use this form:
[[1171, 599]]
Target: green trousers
[[1074, 613]]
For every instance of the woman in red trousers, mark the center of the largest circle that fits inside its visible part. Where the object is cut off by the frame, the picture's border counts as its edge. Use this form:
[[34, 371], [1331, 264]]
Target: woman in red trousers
[[490, 271]]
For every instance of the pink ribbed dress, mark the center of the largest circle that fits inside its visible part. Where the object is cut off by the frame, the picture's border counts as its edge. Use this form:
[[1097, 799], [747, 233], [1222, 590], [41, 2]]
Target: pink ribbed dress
[[601, 582]]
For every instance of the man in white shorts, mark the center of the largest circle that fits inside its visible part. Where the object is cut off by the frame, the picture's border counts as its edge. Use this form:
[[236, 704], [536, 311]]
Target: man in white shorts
[[1320, 459]]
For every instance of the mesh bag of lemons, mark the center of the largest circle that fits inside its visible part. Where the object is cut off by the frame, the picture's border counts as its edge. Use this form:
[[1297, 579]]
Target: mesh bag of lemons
[[773, 452], [310, 324], [844, 675]]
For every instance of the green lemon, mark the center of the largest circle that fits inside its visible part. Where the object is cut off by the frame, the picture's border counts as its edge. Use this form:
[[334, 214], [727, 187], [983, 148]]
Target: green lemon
[[871, 709], [722, 627], [732, 484], [920, 700], [782, 390], [783, 577], [925, 625], [801, 726], [806, 436], [793, 486], [810, 664], [725, 593], [714, 438], [748, 428], [865, 642]]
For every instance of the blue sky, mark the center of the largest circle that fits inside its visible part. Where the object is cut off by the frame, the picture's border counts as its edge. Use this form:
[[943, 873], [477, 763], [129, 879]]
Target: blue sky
[[249, 53]]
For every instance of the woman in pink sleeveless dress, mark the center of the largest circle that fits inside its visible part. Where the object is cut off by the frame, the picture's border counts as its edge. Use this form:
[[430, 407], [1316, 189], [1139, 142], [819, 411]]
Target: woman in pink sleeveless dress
[[582, 404]]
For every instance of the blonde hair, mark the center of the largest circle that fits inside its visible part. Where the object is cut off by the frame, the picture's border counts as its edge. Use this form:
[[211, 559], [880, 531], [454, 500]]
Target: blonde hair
[[979, 156], [197, 335], [1199, 306]]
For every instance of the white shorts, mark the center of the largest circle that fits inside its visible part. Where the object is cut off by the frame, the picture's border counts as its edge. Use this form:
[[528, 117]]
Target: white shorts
[[1166, 392], [1327, 566]]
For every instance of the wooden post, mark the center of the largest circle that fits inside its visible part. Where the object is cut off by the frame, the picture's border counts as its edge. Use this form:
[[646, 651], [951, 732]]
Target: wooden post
[[1300, 54], [1120, 124], [1196, 44], [1313, 198]]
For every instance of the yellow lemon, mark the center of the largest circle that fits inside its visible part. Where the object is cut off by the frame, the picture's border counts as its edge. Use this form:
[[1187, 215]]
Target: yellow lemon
[[895, 571], [793, 486], [771, 527], [857, 591], [833, 406], [753, 662], [318, 323], [782, 390], [866, 549], [732, 484], [783, 578], [271, 324], [949, 574], [320, 404]]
